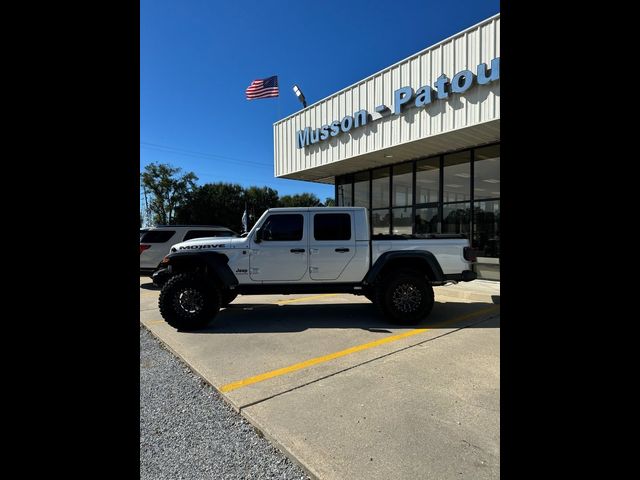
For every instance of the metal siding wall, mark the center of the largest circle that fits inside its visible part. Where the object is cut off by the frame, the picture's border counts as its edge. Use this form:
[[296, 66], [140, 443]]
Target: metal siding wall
[[377, 139], [276, 167], [317, 159], [387, 99], [480, 104], [416, 80], [496, 53]]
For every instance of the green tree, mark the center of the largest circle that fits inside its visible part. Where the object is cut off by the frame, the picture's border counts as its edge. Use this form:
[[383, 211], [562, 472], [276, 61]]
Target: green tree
[[168, 190], [300, 200], [214, 204], [329, 202], [258, 200]]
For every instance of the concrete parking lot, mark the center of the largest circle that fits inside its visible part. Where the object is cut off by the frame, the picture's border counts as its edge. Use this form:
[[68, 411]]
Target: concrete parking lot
[[348, 395]]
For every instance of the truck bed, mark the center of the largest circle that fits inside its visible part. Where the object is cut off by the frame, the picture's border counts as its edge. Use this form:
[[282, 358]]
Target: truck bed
[[419, 236]]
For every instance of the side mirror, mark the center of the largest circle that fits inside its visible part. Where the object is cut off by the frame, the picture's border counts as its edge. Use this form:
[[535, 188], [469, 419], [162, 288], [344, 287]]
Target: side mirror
[[258, 236]]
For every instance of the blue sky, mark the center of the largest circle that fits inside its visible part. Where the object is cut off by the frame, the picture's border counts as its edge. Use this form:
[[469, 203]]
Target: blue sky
[[197, 57]]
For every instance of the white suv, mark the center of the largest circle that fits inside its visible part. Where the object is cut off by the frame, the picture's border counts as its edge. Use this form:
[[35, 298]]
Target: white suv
[[155, 242]]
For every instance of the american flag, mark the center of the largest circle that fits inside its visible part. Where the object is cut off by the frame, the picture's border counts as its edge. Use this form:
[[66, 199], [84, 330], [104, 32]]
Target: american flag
[[264, 88]]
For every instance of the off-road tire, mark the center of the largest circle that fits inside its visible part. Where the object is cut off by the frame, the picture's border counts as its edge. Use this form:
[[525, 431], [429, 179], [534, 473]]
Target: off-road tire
[[189, 301], [405, 298], [227, 298]]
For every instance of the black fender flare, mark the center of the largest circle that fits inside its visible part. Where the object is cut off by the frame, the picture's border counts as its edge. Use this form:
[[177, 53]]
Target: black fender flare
[[419, 258], [216, 265]]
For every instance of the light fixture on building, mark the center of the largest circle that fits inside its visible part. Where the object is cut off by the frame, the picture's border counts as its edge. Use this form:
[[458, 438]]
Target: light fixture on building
[[388, 156], [300, 95]]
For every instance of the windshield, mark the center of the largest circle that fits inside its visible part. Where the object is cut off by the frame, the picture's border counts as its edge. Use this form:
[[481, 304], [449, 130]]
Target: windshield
[[257, 222]]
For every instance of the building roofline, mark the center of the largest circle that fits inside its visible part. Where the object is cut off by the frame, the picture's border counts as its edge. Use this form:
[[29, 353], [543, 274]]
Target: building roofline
[[486, 20]]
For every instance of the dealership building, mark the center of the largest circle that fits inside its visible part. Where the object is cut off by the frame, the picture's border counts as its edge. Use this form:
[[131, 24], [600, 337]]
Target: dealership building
[[417, 143]]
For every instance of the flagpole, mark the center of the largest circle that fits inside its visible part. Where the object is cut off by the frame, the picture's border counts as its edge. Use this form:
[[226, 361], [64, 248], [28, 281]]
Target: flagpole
[[278, 107]]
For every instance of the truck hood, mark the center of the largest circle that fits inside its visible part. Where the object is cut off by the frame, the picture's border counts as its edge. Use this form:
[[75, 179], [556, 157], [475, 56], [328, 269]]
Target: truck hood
[[209, 243]]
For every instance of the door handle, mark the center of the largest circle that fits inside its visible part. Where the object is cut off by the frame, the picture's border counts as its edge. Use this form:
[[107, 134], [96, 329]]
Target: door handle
[[342, 250], [297, 250]]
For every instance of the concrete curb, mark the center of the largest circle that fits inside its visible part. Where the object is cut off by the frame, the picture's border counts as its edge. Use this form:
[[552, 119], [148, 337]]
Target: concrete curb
[[285, 451], [254, 423], [192, 368]]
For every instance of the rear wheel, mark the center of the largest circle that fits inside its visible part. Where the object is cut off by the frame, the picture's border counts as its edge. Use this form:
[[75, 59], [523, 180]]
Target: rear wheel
[[189, 301], [405, 298]]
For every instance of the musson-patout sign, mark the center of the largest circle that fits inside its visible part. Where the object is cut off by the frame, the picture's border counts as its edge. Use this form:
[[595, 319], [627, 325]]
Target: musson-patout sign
[[402, 98]]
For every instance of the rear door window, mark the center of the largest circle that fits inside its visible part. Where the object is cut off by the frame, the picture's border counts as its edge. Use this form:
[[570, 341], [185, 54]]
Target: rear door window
[[332, 226], [157, 236]]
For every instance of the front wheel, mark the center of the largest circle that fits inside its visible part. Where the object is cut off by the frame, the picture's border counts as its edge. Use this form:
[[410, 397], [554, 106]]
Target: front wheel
[[189, 301], [405, 298]]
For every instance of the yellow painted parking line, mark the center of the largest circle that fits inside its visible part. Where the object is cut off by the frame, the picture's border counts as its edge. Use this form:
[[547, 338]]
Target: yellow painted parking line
[[324, 295], [155, 322], [358, 348]]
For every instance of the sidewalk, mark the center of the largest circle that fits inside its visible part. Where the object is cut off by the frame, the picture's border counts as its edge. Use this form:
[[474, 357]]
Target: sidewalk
[[487, 291]]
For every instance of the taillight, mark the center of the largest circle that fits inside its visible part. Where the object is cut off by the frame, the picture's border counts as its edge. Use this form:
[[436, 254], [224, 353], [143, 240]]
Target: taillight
[[143, 248], [469, 254]]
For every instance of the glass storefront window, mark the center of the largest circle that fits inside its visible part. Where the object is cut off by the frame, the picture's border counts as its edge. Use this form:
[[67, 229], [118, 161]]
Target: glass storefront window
[[403, 185], [395, 208], [402, 223], [345, 189], [380, 188], [486, 172], [456, 218], [380, 221], [361, 189], [427, 220], [428, 180], [486, 235], [457, 177]]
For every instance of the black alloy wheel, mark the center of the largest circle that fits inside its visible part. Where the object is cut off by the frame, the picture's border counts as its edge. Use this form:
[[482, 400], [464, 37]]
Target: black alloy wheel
[[189, 301], [406, 298]]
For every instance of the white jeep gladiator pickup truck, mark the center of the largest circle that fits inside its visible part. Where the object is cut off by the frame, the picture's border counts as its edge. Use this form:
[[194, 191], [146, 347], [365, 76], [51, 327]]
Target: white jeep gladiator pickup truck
[[312, 250]]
